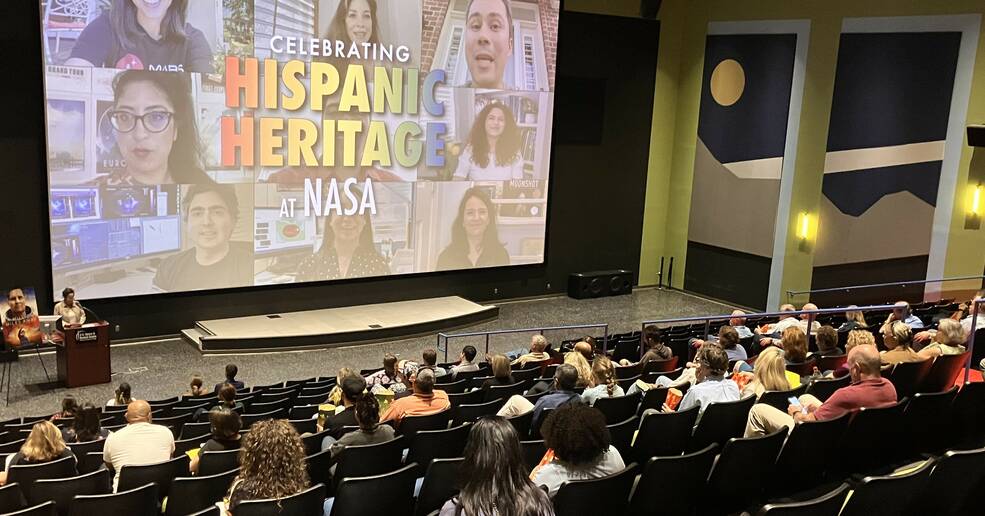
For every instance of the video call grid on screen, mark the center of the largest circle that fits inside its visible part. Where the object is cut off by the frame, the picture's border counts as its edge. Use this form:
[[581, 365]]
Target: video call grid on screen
[[227, 143]]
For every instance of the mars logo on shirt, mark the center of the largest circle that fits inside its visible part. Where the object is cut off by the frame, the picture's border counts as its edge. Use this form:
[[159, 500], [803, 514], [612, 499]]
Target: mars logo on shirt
[[130, 62]]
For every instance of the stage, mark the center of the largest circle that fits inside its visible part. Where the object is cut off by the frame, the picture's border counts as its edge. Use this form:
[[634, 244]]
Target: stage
[[331, 327]]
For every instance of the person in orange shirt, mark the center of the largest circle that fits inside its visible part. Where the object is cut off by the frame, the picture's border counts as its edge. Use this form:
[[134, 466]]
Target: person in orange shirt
[[426, 399]]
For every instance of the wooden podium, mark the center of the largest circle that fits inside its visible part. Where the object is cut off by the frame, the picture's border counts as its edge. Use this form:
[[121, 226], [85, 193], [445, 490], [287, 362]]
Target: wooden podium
[[83, 356]]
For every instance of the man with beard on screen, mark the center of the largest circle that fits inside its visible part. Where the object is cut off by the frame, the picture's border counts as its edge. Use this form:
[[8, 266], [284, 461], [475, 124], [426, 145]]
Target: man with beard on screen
[[21, 325], [210, 212]]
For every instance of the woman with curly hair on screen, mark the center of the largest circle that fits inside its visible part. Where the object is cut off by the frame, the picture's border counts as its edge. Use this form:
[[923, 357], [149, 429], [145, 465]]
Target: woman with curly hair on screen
[[271, 464], [492, 152]]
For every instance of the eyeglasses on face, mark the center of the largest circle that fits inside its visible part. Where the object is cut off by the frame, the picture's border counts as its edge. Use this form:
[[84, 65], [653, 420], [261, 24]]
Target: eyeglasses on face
[[153, 121]]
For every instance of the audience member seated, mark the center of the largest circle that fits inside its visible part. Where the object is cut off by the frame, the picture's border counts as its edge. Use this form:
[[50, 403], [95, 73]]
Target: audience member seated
[[949, 339], [710, 386], [227, 400], [794, 344], [769, 335], [367, 411], [586, 350], [582, 447], [538, 345], [898, 339], [195, 388], [656, 349], [808, 317], [271, 464], [424, 400], [738, 321], [231, 372], [868, 389], [855, 320], [769, 374], [43, 444], [385, 376], [353, 388], [561, 393], [122, 396], [604, 377], [69, 408], [855, 338], [501, 372], [687, 377], [576, 360], [86, 426], [430, 356], [967, 311], [728, 339], [827, 342], [138, 443], [494, 476], [466, 361], [902, 313], [225, 435], [335, 395]]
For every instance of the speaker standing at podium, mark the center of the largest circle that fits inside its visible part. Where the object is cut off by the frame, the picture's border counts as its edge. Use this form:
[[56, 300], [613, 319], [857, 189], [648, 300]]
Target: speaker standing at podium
[[20, 323], [69, 309]]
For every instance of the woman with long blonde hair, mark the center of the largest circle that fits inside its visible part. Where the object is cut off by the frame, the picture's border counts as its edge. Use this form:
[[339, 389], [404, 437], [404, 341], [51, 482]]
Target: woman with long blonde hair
[[585, 377], [854, 320], [272, 464], [44, 444], [769, 373], [604, 376]]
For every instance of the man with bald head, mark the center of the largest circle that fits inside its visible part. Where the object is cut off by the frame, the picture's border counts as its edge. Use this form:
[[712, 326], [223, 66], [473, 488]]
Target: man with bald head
[[585, 349], [804, 318], [138, 443], [868, 389]]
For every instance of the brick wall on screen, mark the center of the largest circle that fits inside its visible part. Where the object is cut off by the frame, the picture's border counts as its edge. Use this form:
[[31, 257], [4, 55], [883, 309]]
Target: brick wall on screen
[[548, 19], [434, 17]]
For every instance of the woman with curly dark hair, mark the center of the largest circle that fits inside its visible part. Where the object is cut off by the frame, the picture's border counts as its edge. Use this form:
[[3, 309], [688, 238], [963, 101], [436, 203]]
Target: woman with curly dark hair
[[495, 476], [492, 152], [86, 426], [581, 444], [271, 464]]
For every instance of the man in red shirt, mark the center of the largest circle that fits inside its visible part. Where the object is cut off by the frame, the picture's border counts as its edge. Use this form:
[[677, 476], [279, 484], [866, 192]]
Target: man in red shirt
[[426, 399], [868, 389]]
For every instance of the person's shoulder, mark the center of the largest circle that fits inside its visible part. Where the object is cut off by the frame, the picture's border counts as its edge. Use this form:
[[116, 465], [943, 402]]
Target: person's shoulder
[[193, 33]]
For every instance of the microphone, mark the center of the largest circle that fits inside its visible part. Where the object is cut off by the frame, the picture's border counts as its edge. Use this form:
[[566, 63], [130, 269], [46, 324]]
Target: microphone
[[95, 316]]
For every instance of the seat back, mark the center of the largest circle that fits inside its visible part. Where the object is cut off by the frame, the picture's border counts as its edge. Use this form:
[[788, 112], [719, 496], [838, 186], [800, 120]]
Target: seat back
[[61, 491], [440, 484], [80, 449], [304, 426], [305, 503], [870, 425], [369, 459], [954, 479], [387, 493], [527, 373], [215, 462], [533, 452], [943, 372], [622, 435], [802, 368], [907, 376], [891, 494], [661, 366], [778, 399], [606, 495], [456, 387], [687, 472], [428, 445], [312, 442], [806, 455], [302, 412], [249, 419], [410, 425], [11, 498], [827, 504], [664, 434], [191, 430], [753, 459], [968, 412], [831, 362], [502, 392], [629, 371], [190, 494], [618, 408], [626, 350], [44, 509], [26, 475], [161, 473], [470, 413], [823, 389], [319, 467], [653, 399], [522, 423], [142, 500], [721, 422], [927, 420]]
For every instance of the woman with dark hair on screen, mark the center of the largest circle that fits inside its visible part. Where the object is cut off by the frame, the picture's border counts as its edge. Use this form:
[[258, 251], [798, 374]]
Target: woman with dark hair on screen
[[495, 478], [474, 235], [153, 122], [493, 150], [347, 249], [143, 35], [355, 22]]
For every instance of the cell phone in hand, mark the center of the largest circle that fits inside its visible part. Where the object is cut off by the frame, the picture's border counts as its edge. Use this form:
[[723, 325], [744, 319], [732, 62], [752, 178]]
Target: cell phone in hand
[[796, 402]]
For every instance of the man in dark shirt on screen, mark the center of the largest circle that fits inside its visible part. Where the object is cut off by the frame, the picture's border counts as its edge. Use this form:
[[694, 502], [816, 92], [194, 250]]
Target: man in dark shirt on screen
[[210, 212]]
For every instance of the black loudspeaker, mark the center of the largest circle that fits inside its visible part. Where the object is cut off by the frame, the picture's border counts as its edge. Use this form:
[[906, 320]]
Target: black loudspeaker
[[976, 135], [649, 9], [584, 285]]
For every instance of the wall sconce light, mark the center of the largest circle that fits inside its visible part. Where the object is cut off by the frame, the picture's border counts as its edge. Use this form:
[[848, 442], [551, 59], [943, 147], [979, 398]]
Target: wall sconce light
[[804, 223], [973, 219]]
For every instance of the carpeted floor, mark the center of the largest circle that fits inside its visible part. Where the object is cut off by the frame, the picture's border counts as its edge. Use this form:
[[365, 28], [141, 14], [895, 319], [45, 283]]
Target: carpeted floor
[[162, 369]]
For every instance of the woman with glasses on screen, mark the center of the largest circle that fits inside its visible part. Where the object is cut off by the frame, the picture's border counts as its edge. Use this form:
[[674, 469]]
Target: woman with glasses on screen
[[153, 123], [493, 149], [347, 249], [474, 235], [143, 35]]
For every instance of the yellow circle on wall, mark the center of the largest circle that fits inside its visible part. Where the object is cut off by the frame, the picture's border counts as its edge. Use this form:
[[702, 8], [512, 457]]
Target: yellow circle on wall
[[728, 81]]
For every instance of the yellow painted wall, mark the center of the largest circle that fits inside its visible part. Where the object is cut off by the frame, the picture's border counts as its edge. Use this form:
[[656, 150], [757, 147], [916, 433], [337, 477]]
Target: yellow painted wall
[[675, 120]]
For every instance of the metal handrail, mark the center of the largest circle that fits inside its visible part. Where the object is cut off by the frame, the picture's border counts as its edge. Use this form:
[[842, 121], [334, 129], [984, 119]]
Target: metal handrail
[[447, 336], [791, 293]]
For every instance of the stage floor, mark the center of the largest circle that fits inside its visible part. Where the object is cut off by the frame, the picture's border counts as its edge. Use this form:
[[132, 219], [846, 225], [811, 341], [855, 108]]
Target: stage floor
[[337, 326]]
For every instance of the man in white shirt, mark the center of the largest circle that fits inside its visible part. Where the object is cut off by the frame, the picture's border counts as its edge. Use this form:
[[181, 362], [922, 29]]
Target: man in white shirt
[[805, 317], [139, 443]]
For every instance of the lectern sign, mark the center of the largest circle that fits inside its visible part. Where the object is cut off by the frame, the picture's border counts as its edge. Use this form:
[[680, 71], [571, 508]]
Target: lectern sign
[[85, 336]]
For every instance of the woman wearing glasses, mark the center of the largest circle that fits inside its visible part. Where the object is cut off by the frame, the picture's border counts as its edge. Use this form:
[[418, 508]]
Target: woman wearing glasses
[[153, 123]]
